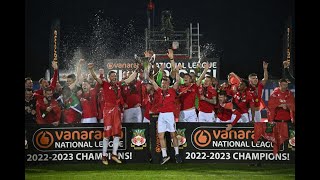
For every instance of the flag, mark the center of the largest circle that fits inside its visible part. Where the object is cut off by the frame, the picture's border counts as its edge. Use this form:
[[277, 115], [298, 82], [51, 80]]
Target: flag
[[73, 103], [77, 108], [72, 107], [275, 132]]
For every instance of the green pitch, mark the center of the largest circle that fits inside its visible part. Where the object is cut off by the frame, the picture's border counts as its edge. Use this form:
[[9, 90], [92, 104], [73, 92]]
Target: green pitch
[[154, 171]]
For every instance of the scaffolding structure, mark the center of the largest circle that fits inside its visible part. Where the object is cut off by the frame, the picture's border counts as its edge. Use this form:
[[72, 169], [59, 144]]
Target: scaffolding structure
[[185, 43]]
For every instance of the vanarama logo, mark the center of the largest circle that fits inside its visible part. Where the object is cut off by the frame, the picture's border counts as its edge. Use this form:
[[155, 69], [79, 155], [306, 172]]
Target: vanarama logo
[[44, 139], [202, 138], [73, 139], [218, 138], [122, 65]]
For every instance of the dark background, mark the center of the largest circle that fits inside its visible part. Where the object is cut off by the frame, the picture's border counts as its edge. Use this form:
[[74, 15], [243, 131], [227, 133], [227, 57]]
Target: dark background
[[248, 31]]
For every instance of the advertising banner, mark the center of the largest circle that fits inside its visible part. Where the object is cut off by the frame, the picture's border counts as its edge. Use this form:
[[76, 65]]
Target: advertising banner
[[83, 142], [188, 65], [139, 143], [210, 142], [54, 44]]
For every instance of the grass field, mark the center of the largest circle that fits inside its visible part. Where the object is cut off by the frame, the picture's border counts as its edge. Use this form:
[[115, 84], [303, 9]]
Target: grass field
[[154, 171]]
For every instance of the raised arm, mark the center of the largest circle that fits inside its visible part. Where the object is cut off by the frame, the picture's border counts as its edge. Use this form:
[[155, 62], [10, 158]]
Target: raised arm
[[155, 85], [90, 67], [206, 67], [234, 80], [286, 74], [265, 73], [160, 75], [177, 82], [53, 84], [235, 121], [170, 55], [132, 76]]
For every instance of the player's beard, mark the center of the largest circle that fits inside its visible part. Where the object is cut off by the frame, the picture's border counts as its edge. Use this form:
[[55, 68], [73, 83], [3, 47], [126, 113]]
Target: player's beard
[[165, 87], [113, 81], [283, 89]]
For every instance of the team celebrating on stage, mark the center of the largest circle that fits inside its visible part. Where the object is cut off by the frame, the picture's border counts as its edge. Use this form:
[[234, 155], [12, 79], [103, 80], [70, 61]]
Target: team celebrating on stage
[[175, 97]]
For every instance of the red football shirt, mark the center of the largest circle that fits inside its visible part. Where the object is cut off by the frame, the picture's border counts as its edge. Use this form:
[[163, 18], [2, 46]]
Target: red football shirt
[[166, 100], [132, 94], [89, 103], [188, 96], [225, 112], [243, 100], [285, 97], [50, 117], [256, 93], [111, 93], [208, 92]]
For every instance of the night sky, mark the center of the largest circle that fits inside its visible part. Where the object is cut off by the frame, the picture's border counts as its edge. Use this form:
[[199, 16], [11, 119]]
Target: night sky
[[247, 31]]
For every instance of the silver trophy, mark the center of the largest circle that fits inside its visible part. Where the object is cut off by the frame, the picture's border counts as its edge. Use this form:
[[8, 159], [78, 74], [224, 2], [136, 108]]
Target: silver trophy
[[145, 64]]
